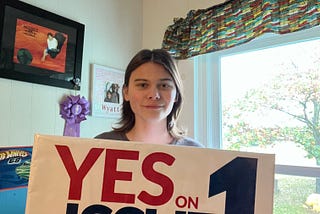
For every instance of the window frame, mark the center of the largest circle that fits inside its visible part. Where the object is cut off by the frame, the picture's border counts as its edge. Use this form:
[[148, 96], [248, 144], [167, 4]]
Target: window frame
[[207, 91]]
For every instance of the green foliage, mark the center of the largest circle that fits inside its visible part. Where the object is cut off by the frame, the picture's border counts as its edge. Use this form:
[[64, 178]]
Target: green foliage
[[295, 94], [241, 134], [292, 194], [304, 137]]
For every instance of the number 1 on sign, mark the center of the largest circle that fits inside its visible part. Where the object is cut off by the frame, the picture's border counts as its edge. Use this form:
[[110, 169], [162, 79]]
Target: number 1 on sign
[[238, 179]]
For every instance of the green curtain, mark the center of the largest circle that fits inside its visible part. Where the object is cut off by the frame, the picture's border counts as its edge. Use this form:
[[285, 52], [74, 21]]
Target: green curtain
[[236, 22]]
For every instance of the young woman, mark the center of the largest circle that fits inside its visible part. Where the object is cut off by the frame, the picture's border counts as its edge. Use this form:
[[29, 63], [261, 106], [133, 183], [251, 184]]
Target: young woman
[[152, 94]]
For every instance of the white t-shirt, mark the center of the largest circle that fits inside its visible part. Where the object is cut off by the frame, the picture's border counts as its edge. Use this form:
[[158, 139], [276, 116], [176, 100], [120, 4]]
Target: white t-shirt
[[52, 44]]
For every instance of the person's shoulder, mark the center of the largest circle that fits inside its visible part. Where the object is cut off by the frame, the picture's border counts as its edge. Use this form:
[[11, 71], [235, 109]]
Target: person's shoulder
[[112, 135], [187, 141]]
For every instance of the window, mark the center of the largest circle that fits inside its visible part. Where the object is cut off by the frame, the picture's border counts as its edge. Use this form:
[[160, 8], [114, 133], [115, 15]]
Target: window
[[269, 97], [237, 79]]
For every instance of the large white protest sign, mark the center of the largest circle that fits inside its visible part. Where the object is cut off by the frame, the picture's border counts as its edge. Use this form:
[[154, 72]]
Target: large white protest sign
[[90, 176]]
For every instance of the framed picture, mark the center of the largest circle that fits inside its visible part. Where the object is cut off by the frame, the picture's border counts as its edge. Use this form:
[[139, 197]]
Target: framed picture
[[39, 46], [106, 91]]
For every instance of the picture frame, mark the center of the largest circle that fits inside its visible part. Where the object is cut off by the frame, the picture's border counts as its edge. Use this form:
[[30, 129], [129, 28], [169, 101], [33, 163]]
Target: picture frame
[[106, 90], [38, 46]]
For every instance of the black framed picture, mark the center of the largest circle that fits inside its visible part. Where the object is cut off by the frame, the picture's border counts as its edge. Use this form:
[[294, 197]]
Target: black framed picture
[[39, 46]]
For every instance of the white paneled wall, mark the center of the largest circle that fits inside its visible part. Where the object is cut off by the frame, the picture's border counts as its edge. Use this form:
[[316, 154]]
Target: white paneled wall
[[113, 32]]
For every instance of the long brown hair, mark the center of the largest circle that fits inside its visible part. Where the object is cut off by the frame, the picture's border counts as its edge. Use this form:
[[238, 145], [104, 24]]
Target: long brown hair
[[163, 58]]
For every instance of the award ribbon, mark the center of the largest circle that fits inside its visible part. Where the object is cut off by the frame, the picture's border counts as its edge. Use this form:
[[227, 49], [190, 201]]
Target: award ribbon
[[74, 110]]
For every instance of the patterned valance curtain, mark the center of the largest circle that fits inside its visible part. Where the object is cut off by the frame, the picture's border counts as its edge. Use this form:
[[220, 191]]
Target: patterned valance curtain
[[236, 22]]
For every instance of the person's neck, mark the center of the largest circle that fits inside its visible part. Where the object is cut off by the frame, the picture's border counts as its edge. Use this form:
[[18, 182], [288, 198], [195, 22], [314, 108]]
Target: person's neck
[[150, 133]]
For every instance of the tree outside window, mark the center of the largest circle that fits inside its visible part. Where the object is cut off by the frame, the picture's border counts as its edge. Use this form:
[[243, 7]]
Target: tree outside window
[[274, 101]]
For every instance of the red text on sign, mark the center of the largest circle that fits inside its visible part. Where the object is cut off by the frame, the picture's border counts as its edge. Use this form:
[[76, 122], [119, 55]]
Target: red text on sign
[[111, 174]]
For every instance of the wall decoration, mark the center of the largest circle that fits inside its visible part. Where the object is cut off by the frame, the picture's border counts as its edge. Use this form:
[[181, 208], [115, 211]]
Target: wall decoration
[[38, 46], [74, 110], [14, 167], [14, 177], [106, 91]]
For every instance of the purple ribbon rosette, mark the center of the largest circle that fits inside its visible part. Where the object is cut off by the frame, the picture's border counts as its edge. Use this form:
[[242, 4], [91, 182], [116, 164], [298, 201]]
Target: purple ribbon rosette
[[74, 110]]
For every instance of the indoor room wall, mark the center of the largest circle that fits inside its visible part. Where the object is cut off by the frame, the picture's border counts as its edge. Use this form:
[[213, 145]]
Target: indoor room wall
[[157, 16], [113, 32]]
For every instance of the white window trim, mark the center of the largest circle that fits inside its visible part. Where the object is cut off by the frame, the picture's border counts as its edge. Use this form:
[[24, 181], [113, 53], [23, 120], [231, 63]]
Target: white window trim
[[207, 91]]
